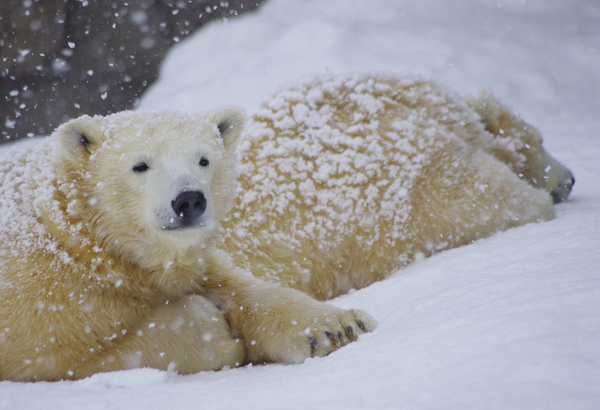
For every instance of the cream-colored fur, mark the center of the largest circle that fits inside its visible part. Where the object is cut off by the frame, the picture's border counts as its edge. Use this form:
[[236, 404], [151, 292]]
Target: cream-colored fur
[[100, 269], [346, 179]]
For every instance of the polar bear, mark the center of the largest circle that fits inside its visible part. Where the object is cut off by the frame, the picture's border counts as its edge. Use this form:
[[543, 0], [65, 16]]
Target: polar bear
[[108, 256], [345, 179]]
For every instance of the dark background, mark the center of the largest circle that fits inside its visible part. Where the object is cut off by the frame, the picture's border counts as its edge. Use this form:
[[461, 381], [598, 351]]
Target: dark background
[[60, 59]]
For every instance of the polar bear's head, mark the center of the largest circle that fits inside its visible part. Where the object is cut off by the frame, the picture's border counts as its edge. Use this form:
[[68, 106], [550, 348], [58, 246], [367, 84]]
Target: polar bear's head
[[150, 182], [519, 145]]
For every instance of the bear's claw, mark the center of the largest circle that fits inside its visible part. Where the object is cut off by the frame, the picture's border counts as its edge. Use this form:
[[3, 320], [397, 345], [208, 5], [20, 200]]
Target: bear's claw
[[342, 334]]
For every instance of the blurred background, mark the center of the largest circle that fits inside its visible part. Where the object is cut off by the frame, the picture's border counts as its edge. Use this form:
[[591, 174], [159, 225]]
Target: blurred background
[[60, 59]]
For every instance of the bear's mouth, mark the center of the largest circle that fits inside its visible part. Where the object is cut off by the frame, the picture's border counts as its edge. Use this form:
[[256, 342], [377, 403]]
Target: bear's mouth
[[184, 224], [168, 221]]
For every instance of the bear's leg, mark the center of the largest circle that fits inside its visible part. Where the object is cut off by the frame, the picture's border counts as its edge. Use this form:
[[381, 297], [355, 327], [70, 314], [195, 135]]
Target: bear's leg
[[189, 335], [279, 324]]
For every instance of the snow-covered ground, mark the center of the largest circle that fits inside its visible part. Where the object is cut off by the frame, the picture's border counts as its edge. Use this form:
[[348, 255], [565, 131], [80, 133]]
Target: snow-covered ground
[[510, 322]]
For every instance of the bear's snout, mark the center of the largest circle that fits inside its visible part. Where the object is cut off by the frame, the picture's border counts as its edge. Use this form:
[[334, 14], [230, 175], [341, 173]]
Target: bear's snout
[[189, 206], [563, 190]]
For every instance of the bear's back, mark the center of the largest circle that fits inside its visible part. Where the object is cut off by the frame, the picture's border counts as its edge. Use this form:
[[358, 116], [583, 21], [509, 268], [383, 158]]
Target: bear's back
[[334, 162]]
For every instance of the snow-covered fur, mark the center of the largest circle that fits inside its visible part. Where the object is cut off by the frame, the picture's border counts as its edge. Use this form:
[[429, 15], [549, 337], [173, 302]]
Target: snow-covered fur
[[107, 256], [346, 179]]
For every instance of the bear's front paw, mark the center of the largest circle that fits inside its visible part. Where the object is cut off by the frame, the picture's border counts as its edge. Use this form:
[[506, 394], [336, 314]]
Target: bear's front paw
[[331, 333], [301, 333]]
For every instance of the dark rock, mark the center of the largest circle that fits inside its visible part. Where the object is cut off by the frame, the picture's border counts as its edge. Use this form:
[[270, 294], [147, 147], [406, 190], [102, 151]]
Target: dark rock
[[60, 59]]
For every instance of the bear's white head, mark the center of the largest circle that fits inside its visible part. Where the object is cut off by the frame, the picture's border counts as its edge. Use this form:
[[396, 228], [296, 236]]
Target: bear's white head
[[150, 185]]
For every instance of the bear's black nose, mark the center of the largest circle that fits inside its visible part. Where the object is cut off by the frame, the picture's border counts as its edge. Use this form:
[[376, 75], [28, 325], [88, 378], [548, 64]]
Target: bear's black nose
[[189, 206], [561, 193]]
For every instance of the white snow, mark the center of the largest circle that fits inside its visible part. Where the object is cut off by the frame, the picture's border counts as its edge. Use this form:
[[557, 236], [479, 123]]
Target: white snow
[[510, 322]]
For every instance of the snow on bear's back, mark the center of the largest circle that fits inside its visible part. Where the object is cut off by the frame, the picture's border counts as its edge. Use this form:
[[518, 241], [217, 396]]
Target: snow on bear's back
[[326, 155]]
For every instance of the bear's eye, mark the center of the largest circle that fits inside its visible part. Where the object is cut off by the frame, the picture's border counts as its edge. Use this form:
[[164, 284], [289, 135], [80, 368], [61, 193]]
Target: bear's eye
[[141, 167], [203, 162]]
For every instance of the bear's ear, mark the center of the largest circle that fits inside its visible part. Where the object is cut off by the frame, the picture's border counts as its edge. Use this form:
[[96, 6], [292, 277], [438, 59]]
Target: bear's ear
[[230, 122], [79, 137]]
